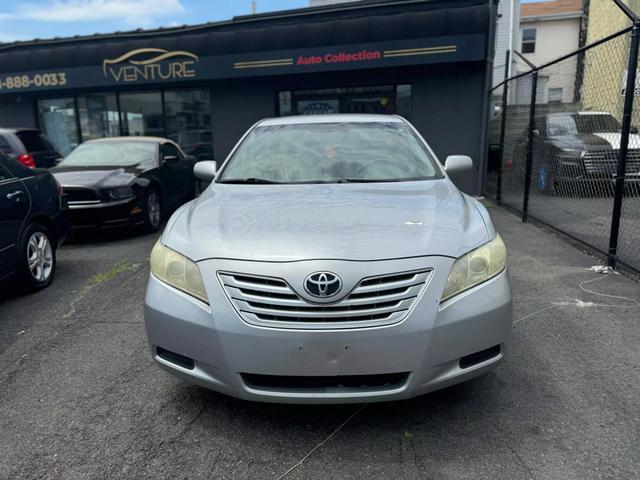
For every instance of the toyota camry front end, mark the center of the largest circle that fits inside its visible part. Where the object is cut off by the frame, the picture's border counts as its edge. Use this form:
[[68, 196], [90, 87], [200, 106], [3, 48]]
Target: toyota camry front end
[[331, 260]]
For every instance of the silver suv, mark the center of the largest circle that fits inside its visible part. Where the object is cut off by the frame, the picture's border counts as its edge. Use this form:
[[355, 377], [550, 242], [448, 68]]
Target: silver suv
[[331, 260]]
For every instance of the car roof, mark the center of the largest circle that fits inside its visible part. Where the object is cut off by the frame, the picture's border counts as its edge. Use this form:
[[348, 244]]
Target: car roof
[[131, 139], [17, 129], [334, 118]]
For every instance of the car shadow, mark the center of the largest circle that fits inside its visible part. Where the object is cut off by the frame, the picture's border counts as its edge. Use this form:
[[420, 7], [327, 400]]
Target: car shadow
[[437, 406], [112, 235]]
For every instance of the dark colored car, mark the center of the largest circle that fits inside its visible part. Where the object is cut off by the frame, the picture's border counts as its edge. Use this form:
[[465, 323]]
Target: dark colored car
[[29, 146], [124, 181], [32, 223], [198, 143], [577, 152]]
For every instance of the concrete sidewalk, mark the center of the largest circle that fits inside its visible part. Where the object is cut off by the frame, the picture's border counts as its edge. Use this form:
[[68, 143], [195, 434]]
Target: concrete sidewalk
[[80, 397]]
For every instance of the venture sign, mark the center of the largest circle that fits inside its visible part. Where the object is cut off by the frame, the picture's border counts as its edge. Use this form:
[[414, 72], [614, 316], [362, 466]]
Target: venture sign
[[150, 64]]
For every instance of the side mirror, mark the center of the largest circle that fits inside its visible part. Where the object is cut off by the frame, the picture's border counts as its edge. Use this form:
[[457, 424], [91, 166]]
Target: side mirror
[[170, 159], [205, 170], [459, 168]]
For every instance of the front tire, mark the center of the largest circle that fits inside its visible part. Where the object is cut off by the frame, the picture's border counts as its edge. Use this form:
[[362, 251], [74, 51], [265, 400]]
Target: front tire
[[152, 210], [37, 257]]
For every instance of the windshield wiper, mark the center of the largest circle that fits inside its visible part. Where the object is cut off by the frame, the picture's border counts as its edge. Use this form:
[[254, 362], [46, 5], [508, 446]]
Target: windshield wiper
[[365, 180], [261, 181]]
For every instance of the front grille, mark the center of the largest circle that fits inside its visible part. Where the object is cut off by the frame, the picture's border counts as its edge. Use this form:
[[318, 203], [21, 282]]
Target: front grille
[[77, 195], [606, 163], [375, 301], [385, 381]]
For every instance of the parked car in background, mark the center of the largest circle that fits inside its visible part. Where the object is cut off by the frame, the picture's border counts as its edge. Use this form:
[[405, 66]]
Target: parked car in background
[[29, 146], [123, 181], [332, 260], [32, 223], [198, 143], [577, 153]]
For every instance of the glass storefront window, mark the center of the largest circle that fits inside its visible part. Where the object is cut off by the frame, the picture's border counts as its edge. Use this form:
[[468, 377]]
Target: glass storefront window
[[403, 101], [141, 114], [385, 99], [184, 118], [188, 119], [58, 121], [98, 113], [284, 99]]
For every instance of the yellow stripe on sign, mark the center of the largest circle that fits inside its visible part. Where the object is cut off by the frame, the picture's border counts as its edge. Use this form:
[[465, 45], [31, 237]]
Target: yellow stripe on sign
[[390, 55], [423, 49], [263, 65], [257, 63]]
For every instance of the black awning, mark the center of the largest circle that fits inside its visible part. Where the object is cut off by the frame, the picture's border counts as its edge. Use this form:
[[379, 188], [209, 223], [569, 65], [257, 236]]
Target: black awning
[[366, 23]]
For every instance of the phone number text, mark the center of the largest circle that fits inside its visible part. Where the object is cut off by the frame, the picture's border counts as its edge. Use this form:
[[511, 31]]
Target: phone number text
[[15, 82]]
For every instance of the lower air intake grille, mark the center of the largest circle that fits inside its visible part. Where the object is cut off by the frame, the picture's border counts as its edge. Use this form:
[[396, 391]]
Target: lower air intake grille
[[81, 195], [365, 382], [375, 301]]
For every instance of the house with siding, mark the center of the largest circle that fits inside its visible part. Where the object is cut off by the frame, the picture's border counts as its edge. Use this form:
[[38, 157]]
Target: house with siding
[[549, 30]]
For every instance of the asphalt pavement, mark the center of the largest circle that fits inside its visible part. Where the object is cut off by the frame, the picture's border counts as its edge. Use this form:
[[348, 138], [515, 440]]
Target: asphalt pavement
[[81, 398]]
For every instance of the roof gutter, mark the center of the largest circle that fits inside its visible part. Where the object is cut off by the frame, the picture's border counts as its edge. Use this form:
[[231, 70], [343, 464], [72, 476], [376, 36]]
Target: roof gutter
[[551, 16]]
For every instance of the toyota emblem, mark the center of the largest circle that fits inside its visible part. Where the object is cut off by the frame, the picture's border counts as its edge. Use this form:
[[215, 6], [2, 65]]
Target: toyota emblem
[[322, 284]]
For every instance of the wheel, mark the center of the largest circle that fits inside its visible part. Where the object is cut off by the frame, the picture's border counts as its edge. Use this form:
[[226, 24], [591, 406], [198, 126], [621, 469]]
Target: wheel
[[152, 210], [38, 257]]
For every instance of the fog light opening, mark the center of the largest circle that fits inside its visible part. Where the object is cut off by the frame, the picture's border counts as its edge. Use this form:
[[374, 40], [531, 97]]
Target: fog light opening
[[479, 357], [175, 358]]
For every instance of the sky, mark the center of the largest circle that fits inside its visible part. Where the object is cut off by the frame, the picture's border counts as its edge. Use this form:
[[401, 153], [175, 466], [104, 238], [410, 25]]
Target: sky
[[29, 19]]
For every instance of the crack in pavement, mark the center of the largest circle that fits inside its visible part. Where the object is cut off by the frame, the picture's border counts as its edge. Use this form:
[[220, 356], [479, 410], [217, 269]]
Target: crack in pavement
[[98, 279]]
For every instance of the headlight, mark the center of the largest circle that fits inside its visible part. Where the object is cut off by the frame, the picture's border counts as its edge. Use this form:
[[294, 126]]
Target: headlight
[[475, 267], [578, 152], [178, 271], [120, 193]]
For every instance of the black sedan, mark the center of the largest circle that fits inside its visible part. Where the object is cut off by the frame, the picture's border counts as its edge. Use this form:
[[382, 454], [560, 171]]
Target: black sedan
[[125, 181], [32, 224]]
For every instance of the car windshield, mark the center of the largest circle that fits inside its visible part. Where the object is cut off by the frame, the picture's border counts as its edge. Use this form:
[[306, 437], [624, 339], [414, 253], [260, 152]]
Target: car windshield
[[115, 153], [330, 153], [582, 123]]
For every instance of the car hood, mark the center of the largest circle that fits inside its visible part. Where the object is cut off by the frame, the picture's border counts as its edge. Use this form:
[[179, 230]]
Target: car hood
[[95, 177], [328, 221], [595, 141]]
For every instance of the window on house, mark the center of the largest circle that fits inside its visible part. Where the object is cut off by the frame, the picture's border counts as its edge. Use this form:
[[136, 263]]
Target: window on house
[[555, 95], [528, 40]]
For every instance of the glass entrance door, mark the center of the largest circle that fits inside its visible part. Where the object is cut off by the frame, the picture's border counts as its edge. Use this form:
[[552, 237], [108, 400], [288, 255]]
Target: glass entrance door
[[142, 114], [383, 99]]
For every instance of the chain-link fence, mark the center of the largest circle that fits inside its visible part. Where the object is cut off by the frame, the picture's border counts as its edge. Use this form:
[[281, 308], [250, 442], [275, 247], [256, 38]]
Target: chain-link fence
[[564, 146]]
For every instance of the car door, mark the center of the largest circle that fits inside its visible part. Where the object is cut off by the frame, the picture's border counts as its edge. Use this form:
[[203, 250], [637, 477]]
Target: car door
[[179, 183], [14, 208]]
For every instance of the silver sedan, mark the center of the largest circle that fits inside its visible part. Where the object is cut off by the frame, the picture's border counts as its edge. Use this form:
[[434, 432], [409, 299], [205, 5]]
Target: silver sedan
[[332, 260]]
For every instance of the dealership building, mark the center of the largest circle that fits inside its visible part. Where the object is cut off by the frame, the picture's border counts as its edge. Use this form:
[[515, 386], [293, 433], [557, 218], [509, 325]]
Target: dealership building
[[429, 61]]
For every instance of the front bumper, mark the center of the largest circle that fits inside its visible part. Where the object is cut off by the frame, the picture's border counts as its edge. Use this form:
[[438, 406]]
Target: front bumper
[[106, 215], [424, 350]]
